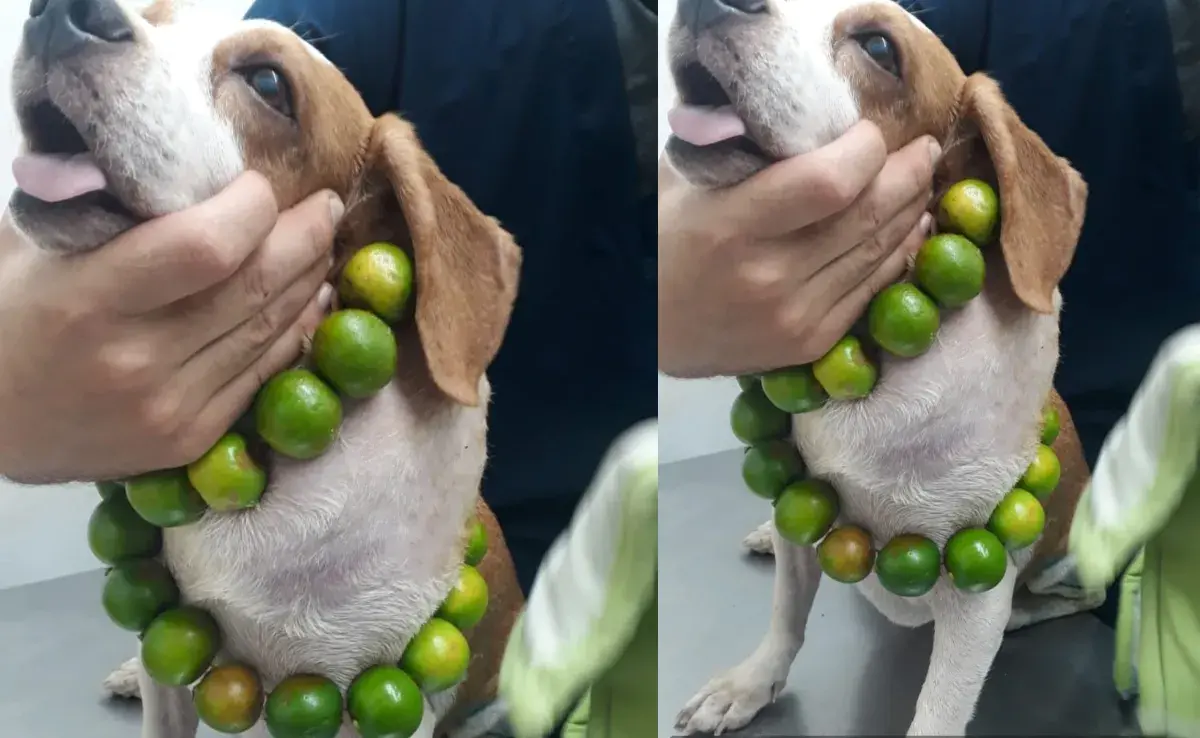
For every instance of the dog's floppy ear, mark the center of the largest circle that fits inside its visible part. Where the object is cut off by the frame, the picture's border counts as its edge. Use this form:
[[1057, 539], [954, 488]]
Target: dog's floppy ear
[[466, 265], [1042, 198]]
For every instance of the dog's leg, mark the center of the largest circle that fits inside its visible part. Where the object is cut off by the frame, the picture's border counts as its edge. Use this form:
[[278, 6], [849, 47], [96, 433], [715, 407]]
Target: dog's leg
[[967, 631], [731, 700], [759, 541], [167, 712]]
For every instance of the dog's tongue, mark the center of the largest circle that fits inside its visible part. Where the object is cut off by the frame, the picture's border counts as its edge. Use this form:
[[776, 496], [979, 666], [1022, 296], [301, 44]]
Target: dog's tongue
[[704, 126], [54, 178]]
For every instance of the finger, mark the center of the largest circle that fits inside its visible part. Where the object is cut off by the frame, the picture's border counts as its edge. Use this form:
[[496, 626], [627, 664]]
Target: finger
[[805, 189], [849, 269], [301, 241], [177, 255]]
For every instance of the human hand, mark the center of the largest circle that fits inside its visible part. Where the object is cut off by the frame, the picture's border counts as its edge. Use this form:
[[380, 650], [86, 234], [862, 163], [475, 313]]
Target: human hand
[[139, 355], [773, 271]]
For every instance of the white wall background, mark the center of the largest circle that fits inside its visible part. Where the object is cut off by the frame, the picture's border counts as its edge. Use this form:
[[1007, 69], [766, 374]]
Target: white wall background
[[43, 530]]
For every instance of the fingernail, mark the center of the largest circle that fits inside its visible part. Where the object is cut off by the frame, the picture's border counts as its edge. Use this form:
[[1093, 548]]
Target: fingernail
[[926, 224], [336, 208], [935, 150], [325, 295]]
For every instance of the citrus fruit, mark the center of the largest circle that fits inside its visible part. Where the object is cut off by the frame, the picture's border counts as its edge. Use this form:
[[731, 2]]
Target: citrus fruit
[[767, 467], [846, 555], [793, 390], [116, 533], [108, 489], [1043, 473], [226, 477], [1050, 425], [304, 706], [180, 645], [975, 559], [903, 320], [970, 208], [950, 268], [356, 351], [165, 498], [748, 381], [477, 542], [229, 699], [1018, 520], [378, 278], [135, 592], [805, 510], [437, 656], [297, 414], [845, 373], [385, 702], [908, 565], [467, 601], [753, 418]]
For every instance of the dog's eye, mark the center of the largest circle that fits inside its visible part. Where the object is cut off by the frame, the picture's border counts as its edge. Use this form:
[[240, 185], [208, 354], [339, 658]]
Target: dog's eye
[[881, 50], [271, 86]]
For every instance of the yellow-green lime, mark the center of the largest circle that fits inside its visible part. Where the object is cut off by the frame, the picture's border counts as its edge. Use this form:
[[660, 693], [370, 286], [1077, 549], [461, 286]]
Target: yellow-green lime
[[356, 351], [747, 381], [903, 320], [970, 208], [1043, 473], [950, 268], [137, 591], [180, 645], [437, 656], [477, 542], [753, 418], [1050, 425], [116, 533], [165, 498], [845, 373], [1018, 520], [767, 467], [229, 699], [846, 554], [805, 510], [226, 476], [108, 489], [468, 599], [297, 414], [378, 278], [975, 559], [908, 565], [794, 390], [385, 702], [304, 706]]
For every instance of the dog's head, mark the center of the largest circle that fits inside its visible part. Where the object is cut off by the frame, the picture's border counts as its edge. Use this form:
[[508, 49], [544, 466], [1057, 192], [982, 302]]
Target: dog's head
[[763, 80], [130, 116]]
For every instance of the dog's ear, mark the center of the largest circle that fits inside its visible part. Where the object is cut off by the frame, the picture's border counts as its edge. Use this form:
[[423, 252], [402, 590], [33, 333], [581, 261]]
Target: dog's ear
[[159, 12], [1042, 198], [466, 265]]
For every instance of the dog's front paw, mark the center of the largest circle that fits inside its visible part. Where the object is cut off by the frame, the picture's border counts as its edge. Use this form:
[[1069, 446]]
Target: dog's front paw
[[124, 681], [730, 701], [759, 541]]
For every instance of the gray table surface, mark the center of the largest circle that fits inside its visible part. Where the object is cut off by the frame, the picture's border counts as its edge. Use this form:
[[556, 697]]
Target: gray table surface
[[857, 673]]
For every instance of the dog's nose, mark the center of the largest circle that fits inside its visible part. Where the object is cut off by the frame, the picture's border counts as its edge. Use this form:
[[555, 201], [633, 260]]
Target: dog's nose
[[699, 15], [59, 28]]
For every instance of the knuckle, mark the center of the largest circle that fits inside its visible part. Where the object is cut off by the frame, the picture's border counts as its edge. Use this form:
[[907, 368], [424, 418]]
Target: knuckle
[[211, 251], [834, 192], [161, 416], [126, 367], [256, 287], [261, 328]]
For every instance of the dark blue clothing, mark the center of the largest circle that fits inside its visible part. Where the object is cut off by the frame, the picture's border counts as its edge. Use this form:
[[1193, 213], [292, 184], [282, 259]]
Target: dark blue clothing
[[523, 105]]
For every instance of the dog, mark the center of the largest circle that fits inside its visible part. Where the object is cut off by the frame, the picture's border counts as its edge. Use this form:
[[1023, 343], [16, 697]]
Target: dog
[[943, 437], [146, 113]]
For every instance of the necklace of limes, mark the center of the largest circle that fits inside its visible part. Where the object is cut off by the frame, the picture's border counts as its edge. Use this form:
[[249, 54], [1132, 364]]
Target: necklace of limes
[[903, 320], [296, 414]]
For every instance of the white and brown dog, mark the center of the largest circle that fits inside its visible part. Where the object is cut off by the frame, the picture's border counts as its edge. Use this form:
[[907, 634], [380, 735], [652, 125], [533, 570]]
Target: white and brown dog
[[128, 116], [943, 437]]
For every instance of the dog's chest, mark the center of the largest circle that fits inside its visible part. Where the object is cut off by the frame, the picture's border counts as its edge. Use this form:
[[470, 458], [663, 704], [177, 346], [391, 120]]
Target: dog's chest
[[347, 555]]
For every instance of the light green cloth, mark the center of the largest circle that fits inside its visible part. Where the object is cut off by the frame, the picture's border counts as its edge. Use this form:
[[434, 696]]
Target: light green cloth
[[1144, 496], [590, 625]]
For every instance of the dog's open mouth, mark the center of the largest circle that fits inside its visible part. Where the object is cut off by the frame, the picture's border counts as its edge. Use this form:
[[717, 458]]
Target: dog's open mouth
[[706, 115]]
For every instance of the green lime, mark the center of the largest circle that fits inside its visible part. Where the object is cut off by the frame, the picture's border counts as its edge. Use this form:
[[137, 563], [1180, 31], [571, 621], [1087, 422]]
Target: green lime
[[108, 489], [767, 467], [385, 702], [297, 414], [1043, 473], [116, 533], [477, 542], [165, 498], [903, 320], [753, 418], [970, 208], [1050, 425], [227, 477], [748, 381], [950, 268], [229, 699], [356, 351], [908, 565], [437, 656], [846, 555], [137, 591], [304, 706], [378, 278], [468, 599], [1018, 520], [975, 559], [845, 372], [794, 390], [805, 510], [180, 645]]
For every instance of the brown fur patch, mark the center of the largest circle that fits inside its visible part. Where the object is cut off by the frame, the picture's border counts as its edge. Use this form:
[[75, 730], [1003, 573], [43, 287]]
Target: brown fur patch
[[160, 12]]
